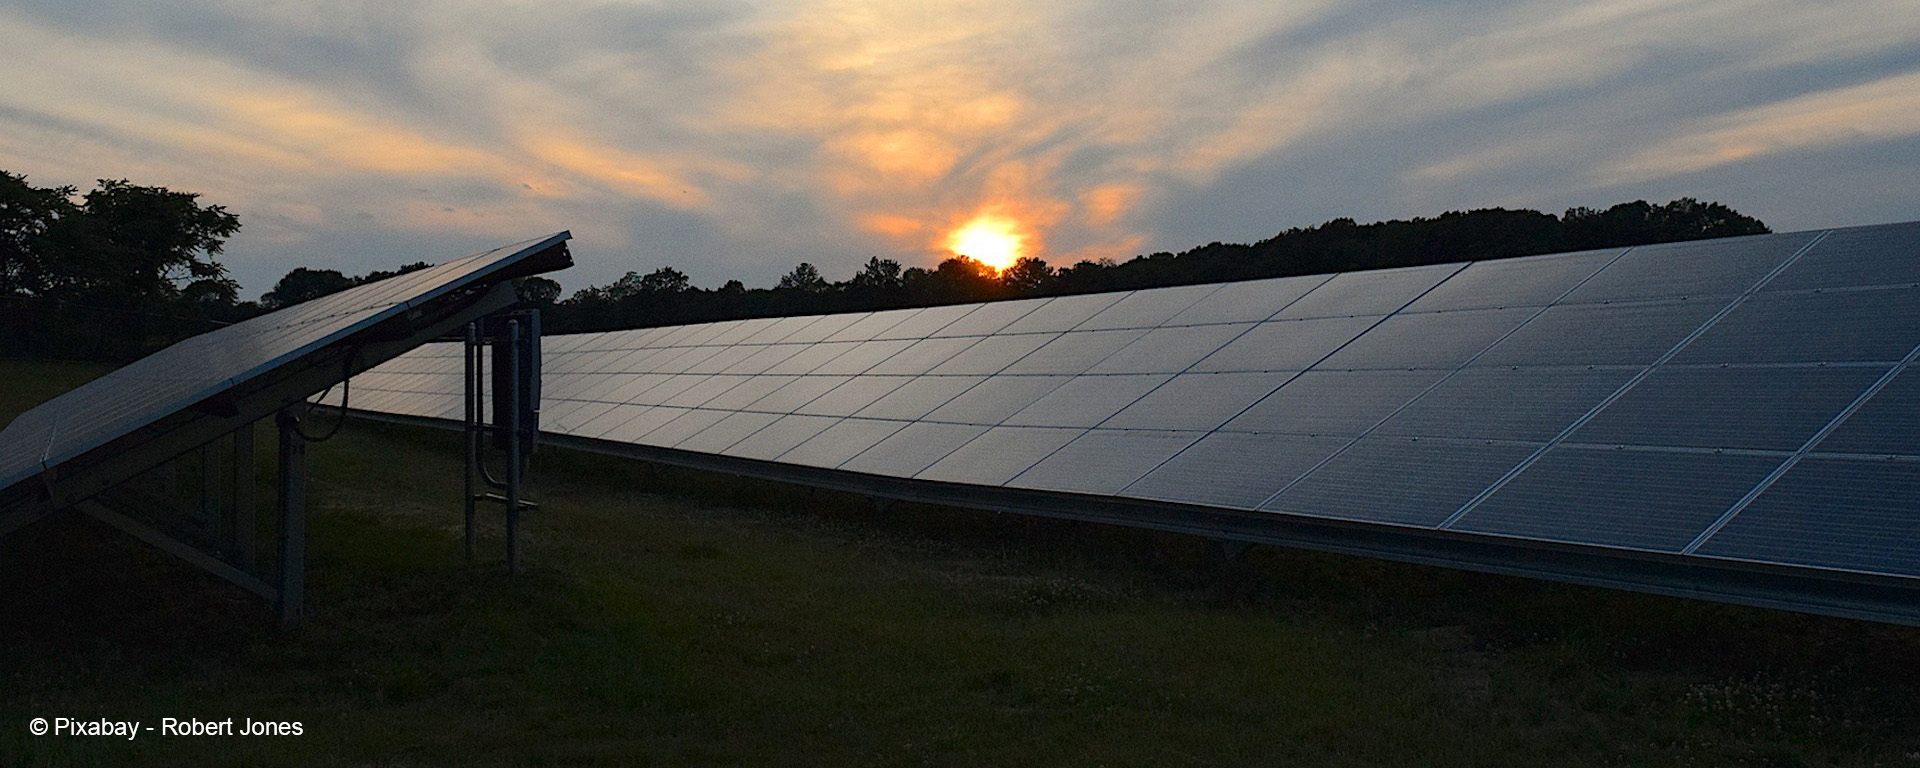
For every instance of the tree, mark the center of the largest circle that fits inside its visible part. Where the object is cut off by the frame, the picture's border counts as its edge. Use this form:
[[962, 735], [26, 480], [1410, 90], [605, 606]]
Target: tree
[[382, 274], [879, 274], [303, 284], [148, 241], [1640, 222], [98, 276], [27, 213], [664, 280], [537, 291], [804, 278], [1027, 275]]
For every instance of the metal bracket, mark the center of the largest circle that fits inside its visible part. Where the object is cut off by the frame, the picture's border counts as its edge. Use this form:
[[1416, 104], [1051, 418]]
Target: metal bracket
[[515, 342]]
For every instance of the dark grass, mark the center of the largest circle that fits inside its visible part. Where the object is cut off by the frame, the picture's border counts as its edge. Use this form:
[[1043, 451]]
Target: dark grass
[[674, 617]]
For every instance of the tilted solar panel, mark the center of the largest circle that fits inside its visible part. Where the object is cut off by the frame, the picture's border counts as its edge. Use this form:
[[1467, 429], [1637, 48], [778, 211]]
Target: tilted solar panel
[[149, 411], [1732, 419]]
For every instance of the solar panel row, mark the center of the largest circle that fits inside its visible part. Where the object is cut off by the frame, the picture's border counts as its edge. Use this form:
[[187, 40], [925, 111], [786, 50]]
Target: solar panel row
[[170, 381], [1748, 399]]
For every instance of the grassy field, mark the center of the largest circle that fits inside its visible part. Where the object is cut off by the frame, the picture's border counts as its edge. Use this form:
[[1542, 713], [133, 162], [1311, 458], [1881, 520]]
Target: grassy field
[[679, 618]]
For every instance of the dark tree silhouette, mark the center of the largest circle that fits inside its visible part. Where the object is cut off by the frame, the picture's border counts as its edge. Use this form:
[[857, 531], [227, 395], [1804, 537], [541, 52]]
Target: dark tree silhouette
[[537, 291], [1027, 275], [879, 274], [113, 274], [804, 278], [1337, 245], [303, 284]]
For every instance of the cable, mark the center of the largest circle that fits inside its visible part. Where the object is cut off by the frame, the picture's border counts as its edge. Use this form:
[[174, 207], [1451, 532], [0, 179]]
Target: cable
[[346, 391]]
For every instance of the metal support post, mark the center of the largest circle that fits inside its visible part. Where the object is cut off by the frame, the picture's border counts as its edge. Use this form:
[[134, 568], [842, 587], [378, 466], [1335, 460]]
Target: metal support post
[[474, 409], [292, 586], [241, 523], [514, 468], [214, 496]]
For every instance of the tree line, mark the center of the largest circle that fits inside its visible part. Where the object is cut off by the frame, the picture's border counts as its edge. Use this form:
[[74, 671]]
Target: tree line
[[124, 269], [665, 296]]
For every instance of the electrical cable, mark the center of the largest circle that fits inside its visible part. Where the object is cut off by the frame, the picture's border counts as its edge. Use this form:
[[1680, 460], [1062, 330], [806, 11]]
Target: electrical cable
[[346, 391]]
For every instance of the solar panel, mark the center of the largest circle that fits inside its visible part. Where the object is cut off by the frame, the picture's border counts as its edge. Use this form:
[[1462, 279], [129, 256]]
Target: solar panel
[[1726, 418], [77, 442]]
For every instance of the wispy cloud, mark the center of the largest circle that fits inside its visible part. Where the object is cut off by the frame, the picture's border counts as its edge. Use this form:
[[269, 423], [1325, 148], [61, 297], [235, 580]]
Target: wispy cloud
[[733, 139]]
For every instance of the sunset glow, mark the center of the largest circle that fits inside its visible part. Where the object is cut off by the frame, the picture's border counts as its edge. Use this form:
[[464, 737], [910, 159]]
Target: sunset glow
[[989, 239]]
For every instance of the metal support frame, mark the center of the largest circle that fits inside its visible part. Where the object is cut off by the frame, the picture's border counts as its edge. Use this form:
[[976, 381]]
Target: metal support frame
[[223, 517], [514, 337], [290, 597]]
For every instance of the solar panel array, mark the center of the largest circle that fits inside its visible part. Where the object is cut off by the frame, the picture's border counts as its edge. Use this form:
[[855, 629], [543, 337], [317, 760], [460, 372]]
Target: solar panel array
[[1746, 399], [172, 380]]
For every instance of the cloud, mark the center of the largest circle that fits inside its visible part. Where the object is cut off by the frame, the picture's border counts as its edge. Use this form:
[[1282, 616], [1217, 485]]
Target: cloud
[[734, 139], [1888, 108]]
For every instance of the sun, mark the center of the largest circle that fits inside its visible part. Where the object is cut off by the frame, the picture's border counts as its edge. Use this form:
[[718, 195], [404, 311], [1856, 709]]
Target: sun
[[989, 239]]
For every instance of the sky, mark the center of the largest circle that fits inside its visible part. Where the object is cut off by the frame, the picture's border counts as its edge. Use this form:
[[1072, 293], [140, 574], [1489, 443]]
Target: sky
[[736, 139]]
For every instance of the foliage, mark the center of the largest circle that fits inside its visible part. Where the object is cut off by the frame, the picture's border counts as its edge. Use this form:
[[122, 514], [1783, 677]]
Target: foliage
[[303, 284], [537, 291], [115, 273], [1337, 245]]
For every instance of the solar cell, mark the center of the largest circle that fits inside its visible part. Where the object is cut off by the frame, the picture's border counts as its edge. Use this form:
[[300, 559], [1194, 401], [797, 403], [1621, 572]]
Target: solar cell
[[840, 442], [1888, 254], [1249, 301], [779, 437], [1652, 500], [1885, 424], [1752, 408], [993, 354], [1170, 350], [1084, 401], [1833, 326], [852, 396], [1722, 267], [1285, 345], [1403, 481], [1074, 352], [989, 318], [1534, 282], [1602, 334], [999, 454], [995, 398], [1196, 401], [1377, 292], [1235, 470], [1148, 309], [1334, 402], [918, 397], [723, 433], [1529, 404], [1063, 313], [1104, 461], [911, 450], [1428, 339], [1831, 513]]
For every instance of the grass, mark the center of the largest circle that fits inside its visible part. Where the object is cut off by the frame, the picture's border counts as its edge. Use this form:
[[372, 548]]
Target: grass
[[678, 618]]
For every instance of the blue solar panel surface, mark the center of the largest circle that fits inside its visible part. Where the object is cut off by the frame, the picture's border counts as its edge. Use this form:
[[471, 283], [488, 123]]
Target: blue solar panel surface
[[1746, 399], [191, 371]]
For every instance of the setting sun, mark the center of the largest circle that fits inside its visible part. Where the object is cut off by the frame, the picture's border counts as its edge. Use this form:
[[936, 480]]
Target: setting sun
[[989, 239]]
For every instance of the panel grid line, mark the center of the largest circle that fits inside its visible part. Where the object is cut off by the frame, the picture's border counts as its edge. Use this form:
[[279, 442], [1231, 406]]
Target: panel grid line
[[1805, 448], [1116, 351], [1143, 396], [1672, 352], [1343, 450]]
